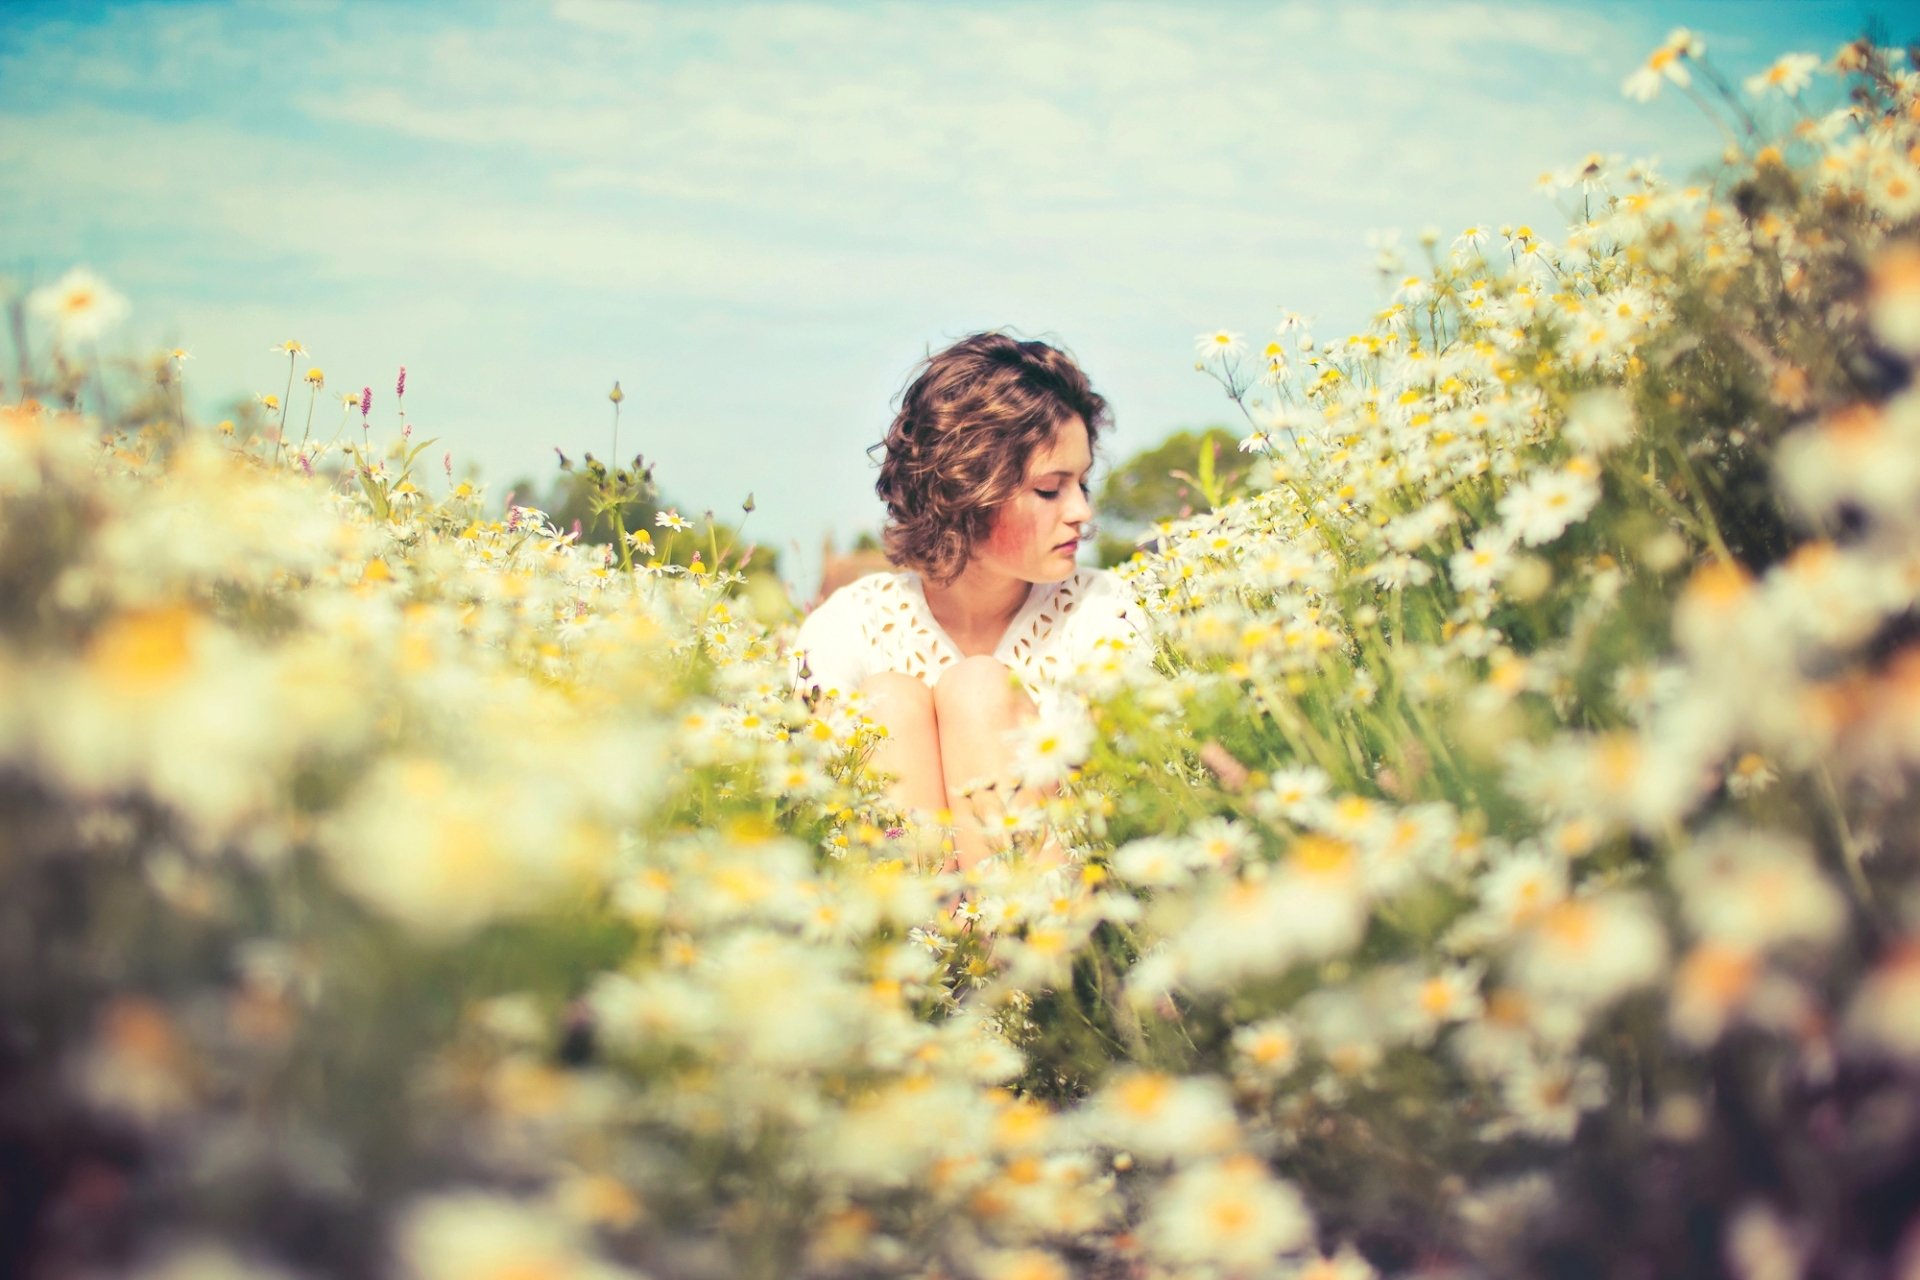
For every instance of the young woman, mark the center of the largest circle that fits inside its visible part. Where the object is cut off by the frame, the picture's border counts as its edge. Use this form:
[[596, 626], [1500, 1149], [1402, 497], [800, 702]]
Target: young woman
[[986, 484]]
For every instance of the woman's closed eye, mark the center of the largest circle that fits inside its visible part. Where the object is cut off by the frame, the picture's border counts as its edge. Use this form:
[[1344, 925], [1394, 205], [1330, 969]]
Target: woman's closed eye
[[1054, 493]]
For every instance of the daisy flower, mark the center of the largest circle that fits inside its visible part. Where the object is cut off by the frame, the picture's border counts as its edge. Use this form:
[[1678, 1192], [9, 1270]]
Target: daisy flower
[[1540, 509], [1893, 296], [1590, 951], [482, 1233], [1881, 1015], [80, 305], [1266, 1050], [1219, 343], [1347, 1264], [1160, 1116], [1599, 421], [1048, 747], [1297, 793], [1153, 861], [671, 519], [1789, 75], [1754, 888], [1479, 566], [1750, 775], [1668, 62], [1546, 1098], [1231, 1213], [1711, 984]]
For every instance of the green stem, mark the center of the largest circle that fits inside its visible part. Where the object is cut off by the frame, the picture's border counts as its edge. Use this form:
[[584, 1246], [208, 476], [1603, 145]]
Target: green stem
[[1678, 453], [1849, 846], [280, 436], [100, 386], [620, 534], [313, 394], [1299, 733]]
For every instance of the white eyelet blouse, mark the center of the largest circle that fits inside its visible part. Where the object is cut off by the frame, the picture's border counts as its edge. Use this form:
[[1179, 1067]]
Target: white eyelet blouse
[[882, 623]]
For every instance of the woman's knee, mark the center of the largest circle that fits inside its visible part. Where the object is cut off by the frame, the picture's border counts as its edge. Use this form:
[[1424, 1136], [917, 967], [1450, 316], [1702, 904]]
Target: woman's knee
[[899, 701], [979, 688]]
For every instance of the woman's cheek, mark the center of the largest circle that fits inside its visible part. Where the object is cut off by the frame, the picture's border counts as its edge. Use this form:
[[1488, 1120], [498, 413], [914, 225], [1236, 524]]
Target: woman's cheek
[[1011, 536]]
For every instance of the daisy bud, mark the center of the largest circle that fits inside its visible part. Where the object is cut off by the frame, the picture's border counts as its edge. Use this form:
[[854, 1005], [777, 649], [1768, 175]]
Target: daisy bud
[[616, 395], [748, 504]]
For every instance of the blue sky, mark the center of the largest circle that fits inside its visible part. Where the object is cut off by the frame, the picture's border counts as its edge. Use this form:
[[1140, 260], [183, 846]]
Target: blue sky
[[758, 216]]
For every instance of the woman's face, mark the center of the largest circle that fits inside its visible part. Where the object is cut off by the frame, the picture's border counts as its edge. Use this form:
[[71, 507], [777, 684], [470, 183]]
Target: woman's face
[[1034, 536]]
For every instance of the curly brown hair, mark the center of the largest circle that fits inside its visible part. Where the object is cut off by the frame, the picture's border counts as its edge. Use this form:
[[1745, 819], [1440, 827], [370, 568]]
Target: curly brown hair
[[959, 445]]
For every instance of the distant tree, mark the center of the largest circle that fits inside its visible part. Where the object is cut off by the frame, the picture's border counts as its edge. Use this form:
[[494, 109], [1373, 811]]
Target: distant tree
[[1186, 472]]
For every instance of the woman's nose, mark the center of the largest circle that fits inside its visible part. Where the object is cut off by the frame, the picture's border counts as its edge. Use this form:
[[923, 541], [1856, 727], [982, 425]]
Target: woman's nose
[[1079, 510]]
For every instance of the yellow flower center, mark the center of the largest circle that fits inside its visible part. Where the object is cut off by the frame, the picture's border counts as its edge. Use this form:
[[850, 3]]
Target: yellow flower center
[[1143, 1095], [145, 650]]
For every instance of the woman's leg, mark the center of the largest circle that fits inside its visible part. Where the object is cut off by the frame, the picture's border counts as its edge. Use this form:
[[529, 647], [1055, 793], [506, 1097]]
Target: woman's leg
[[911, 749], [975, 704]]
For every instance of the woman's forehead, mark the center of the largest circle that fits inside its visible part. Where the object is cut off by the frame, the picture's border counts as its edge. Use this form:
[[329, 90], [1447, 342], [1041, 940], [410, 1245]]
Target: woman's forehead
[[1068, 451]]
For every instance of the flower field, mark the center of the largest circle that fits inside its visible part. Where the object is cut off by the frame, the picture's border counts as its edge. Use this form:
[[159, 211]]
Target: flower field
[[1497, 858]]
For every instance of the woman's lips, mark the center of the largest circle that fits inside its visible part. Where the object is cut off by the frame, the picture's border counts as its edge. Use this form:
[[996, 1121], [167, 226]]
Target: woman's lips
[[1069, 546]]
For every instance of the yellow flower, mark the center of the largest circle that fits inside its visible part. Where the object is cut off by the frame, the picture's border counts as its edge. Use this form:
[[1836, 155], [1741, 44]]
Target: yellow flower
[[316, 378]]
